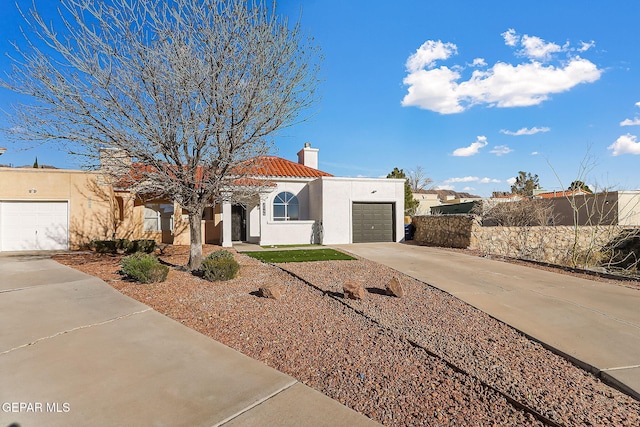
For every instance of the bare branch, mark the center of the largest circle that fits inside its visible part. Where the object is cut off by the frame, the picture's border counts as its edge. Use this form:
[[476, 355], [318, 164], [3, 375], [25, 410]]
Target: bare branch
[[189, 90]]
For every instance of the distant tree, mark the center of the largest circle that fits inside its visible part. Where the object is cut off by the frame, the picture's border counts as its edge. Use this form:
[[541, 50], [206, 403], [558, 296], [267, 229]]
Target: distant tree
[[188, 90], [418, 179], [580, 185], [525, 184], [35, 164], [410, 204]]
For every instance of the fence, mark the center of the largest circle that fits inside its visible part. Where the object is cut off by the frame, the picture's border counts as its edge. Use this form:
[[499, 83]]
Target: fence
[[565, 245]]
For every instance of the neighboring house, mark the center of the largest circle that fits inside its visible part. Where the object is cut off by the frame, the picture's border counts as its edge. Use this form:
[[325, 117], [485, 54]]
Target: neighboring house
[[60, 209], [46, 209], [426, 199], [606, 208], [431, 200]]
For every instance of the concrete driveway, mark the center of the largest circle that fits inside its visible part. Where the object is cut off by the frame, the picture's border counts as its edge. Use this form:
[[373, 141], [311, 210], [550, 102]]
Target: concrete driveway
[[597, 325], [75, 352]]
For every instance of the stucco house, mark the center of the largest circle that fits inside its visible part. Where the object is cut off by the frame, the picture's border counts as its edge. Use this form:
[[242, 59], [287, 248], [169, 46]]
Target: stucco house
[[61, 209]]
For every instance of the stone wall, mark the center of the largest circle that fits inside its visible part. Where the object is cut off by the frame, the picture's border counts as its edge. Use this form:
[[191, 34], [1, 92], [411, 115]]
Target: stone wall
[[449, 231], [565, 245]]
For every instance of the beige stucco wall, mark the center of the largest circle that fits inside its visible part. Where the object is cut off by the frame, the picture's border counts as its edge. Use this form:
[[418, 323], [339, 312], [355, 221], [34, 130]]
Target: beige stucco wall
[[90, 202]]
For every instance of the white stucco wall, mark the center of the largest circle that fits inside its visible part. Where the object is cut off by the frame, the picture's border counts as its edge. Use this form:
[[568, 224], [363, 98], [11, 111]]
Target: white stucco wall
[[326, 205], [287, 232], [339, 194]]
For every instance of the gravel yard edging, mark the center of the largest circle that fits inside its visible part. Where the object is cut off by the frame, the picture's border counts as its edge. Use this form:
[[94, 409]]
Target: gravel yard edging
[[506, 396]]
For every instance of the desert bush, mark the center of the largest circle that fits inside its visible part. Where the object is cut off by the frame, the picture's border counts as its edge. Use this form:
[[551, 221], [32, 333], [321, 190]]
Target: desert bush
[[124, 245], [105, 246], [143, 245], [220, 254], [144, 268], [622, 252], [219, 265]]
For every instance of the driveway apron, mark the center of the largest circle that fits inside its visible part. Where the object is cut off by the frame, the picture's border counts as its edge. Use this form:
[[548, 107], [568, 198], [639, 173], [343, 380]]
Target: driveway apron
[[74, 351]]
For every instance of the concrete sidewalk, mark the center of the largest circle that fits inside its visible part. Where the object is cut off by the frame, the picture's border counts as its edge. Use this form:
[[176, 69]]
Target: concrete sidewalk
[[594, 324], [74, 351]]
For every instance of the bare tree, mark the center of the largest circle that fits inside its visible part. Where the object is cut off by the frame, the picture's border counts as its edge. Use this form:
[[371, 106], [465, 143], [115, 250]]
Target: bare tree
[[604, 222], [418, 179], [189, 90]]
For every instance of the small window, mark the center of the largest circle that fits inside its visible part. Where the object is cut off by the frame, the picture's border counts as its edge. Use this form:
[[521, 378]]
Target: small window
[[158, 217], [285, 207]]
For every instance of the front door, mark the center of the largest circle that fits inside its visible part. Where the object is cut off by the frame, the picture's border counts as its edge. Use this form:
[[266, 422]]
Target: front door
[[238, 223]]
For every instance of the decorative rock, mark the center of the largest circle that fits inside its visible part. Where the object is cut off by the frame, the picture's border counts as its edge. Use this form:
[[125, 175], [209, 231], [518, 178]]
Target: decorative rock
[[353, 290], [271, 291], [394, 288]]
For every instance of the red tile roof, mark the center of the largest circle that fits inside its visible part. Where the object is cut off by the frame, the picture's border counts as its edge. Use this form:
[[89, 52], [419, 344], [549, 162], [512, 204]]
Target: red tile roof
[[271, 166], [257, 168], [565, 193]]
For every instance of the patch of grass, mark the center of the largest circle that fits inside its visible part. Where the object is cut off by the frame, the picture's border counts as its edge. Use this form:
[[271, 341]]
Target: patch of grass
[[300, 255], [288, 246]]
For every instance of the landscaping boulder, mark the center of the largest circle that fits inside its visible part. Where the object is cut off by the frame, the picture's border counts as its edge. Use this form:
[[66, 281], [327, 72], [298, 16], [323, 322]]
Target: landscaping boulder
[[394, 288], [353, 290], [271, 291]]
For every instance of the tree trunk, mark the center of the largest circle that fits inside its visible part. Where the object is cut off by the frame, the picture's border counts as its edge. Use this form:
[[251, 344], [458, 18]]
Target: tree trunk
[[195, 239]]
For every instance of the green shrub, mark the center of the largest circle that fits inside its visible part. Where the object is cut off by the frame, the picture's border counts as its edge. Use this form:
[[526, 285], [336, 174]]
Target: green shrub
[[220, 254], [143, 245], [144, 268], [124, 245], [223, 268], [105, 246]]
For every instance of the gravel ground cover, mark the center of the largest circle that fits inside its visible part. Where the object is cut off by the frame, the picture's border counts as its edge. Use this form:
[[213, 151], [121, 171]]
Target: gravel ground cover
[[359, 354]]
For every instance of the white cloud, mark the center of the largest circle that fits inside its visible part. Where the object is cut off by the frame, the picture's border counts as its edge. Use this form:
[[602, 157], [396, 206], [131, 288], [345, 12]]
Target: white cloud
[[489, 180], [534, 153], [525, 131], [445, 187], [535, 48], [440, 89], [472, 179], [428, 53], [500, 150], [585, 46], [630, 122], [637, 104], [510, 37], [463, 179], [511, 181], [472, 149], [625, 144], [479, 62], [468, 189]]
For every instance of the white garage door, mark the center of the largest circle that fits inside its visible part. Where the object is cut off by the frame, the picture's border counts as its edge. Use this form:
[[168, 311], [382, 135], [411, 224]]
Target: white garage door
[[28, 226]]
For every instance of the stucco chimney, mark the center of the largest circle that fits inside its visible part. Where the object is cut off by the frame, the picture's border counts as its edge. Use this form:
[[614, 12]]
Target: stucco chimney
[[308, 156]]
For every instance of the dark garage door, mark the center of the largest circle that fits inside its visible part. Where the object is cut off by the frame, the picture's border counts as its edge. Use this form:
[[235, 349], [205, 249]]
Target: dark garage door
[[372, 222]]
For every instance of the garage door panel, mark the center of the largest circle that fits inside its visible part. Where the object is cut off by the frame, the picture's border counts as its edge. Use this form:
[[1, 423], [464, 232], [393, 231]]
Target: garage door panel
[[28, 226], [372, 222]]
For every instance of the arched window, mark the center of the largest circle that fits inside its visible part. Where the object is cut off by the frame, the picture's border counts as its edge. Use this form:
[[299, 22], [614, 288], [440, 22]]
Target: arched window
[[285, 207]]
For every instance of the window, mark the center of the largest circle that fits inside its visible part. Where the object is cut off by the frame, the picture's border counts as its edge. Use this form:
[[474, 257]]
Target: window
[[285, 207], [158, 217]]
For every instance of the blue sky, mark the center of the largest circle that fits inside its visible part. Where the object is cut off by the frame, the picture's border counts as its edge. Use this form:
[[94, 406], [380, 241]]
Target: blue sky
[[472, 92]]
